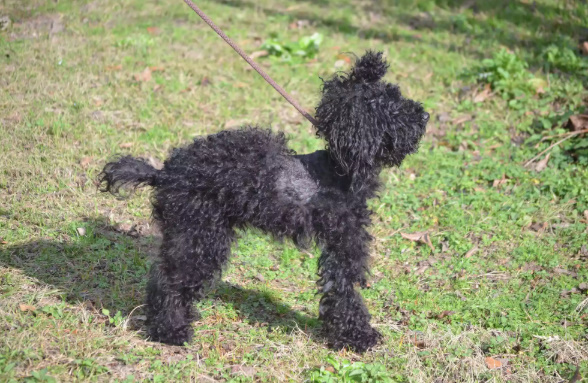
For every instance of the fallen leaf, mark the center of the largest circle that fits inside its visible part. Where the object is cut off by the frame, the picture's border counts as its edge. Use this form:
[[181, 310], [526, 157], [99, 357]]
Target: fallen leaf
[[462, 119], [444, 314], [243, 370], [484, 94], [124, 227], [5, 23], [257, 54], [153, 30], [500, 182], [419, 343], [112, 68], [84, 162], [539, 227], [24, 307], [260, 278], [125, 145], [144, 76], [205, 81], [241, 85], [492, 363], [561, 271], [444, 246], [577, 122], [422, 236], [331, 369], [541, 165], [539, 85], [344, 57], [567, 293], [81, 231], [156, 68], [471, 252], [421, 269]]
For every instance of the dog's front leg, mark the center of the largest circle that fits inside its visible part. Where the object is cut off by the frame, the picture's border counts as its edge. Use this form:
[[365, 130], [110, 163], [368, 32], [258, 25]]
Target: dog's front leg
[[343, 264]]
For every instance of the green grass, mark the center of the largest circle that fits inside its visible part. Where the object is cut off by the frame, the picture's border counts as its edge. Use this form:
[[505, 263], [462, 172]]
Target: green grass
[[510, 243]]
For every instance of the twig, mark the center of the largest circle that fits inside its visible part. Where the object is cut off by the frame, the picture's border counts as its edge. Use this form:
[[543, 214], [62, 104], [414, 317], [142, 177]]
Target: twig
[[582, 305], [563, 134], [570, 135]]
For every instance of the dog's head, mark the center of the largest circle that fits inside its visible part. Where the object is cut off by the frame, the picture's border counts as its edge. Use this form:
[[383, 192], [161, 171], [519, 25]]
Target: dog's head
[[366, 121]]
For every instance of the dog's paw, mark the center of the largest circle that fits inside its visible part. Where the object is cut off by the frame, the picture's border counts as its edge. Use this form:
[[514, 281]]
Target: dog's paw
[[359, 340], [175, 337]]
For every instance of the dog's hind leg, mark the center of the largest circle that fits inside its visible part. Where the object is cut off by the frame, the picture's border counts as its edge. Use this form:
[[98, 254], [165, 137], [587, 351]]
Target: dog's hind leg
[[343, 264], [190, 257]]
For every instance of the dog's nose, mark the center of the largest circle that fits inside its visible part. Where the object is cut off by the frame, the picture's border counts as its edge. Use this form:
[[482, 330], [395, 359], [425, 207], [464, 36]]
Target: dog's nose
[[426, 116]]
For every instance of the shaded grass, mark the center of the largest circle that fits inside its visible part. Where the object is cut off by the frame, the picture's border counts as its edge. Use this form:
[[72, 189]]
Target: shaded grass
[[70, 101]]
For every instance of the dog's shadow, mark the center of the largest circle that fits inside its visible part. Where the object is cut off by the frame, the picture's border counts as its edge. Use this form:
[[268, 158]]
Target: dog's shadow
[[262, 309], [107, 267]]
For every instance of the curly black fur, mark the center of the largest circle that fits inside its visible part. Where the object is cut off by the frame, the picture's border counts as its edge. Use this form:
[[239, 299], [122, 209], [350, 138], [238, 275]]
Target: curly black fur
[[249, 177]]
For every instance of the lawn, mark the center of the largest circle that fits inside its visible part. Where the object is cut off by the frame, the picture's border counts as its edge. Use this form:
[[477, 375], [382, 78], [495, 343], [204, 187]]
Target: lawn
[[479, 263]]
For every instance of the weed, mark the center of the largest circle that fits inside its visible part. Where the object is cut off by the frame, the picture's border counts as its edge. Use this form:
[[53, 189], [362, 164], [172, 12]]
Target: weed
[[346, 372], [563, 59], [117, 320], [508, 75], [305, 48], [40, 376]]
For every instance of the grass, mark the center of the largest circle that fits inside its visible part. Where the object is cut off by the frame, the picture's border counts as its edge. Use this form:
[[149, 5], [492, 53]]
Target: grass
[[499, 298]]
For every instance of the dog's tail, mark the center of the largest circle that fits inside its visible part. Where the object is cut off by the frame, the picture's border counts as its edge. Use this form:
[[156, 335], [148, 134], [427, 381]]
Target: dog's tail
[[126, 173]]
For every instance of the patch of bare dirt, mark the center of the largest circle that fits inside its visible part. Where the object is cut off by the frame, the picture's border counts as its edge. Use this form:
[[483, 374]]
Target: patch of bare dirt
[[40, 26]]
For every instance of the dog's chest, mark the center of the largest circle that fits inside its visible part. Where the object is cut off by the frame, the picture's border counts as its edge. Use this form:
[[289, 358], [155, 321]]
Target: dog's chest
[[294, 183]]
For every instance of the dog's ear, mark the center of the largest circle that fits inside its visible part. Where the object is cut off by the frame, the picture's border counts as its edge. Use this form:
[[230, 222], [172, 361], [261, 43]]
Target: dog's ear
[[371, 67]]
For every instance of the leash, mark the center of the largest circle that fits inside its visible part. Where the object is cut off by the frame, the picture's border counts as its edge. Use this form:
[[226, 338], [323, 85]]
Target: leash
[[257, 68]]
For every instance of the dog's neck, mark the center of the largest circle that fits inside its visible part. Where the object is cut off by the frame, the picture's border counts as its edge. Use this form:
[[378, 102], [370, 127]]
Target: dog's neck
[[363, 182], [327, 172]]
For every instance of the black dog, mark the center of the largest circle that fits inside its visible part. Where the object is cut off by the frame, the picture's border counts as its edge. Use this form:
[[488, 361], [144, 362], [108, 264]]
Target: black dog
[[249, 177]]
